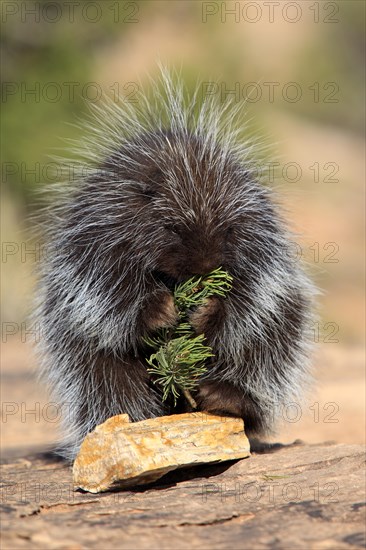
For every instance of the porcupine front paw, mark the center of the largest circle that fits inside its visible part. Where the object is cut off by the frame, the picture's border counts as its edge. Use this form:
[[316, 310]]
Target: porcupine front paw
[[161, 312], [223, 398], [205, 317]]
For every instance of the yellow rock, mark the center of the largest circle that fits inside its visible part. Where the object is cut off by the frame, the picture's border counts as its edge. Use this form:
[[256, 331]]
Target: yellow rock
[[123, 454]]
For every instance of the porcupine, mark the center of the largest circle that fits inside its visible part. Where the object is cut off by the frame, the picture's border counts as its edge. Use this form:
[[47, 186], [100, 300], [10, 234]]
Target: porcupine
[[167, 191]]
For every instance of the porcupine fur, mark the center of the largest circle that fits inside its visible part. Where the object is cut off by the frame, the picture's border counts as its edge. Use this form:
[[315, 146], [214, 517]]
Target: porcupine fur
[[165, 191]]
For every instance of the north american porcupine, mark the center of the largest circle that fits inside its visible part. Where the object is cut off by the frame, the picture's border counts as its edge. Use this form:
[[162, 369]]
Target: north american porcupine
[[166, 192]]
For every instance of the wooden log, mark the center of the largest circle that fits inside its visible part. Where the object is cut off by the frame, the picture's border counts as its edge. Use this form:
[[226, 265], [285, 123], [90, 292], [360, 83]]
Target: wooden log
[[124, 454]]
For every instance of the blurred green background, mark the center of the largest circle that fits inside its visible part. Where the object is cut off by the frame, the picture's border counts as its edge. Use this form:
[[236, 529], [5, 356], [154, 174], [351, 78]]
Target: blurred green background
[[302, 64]]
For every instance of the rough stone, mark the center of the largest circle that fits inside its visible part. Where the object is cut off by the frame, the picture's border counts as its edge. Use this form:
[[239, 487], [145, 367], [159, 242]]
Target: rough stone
[[123, 454]]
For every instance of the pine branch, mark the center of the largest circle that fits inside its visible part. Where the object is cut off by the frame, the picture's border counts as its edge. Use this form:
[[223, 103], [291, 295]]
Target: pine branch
[[180, 356], [178, 364], [193, 292]]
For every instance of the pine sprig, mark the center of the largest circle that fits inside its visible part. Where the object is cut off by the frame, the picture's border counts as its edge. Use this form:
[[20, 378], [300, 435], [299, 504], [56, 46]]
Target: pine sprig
[[178, 364], [193, 292], [180, 357]]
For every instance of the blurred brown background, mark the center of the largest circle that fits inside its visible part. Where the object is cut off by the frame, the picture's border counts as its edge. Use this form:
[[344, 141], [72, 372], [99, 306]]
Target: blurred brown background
[[300, 65]]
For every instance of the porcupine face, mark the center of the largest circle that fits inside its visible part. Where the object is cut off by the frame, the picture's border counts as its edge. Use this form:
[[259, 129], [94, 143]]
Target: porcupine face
[[184, 199]]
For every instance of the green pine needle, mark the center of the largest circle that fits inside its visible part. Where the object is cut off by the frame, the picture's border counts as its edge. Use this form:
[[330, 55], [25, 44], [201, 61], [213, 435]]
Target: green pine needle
[[178, 364], [180, 356], [193, 292]]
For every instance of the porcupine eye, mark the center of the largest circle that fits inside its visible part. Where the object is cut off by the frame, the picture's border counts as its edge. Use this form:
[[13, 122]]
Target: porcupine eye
[[172, 228]]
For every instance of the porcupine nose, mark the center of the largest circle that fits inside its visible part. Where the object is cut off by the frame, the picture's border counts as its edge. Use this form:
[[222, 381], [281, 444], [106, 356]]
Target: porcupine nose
[[204, 253], [206, 264]]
